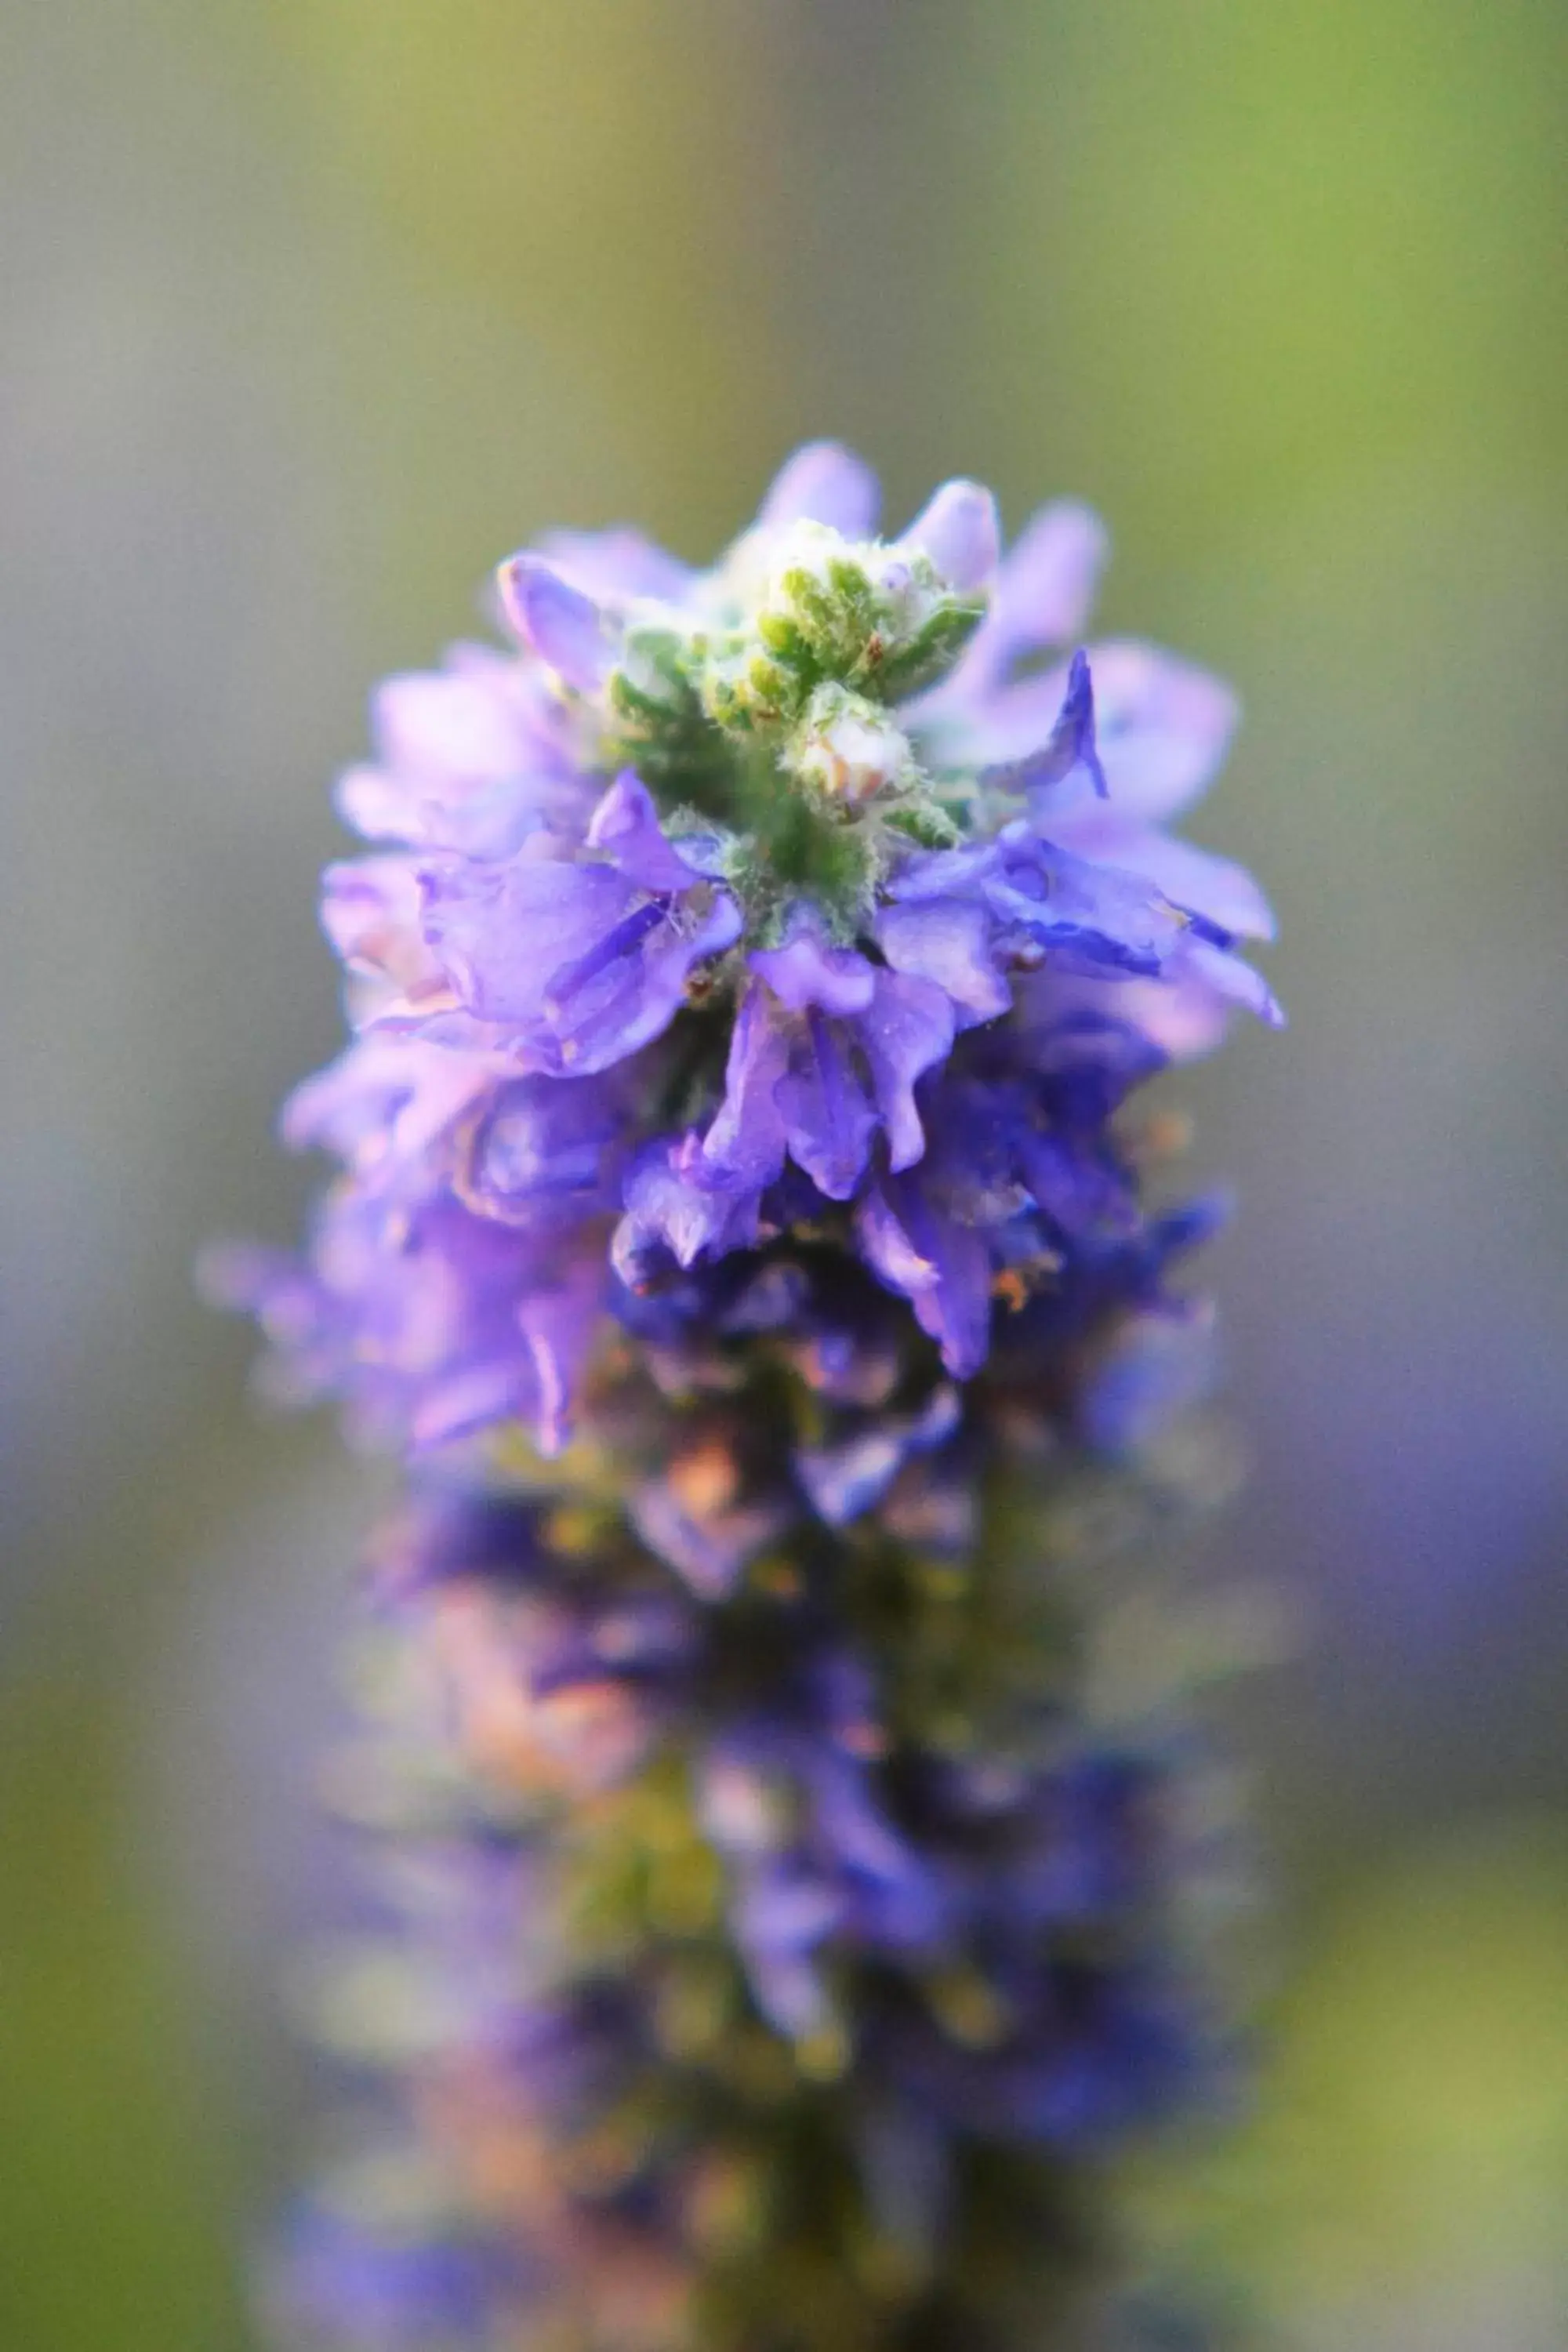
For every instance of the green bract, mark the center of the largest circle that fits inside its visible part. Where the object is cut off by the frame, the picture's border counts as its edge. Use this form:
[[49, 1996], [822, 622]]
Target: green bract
[[777, 723]]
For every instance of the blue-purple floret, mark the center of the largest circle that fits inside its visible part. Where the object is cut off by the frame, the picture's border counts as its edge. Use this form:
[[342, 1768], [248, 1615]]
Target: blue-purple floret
[[748, 975]]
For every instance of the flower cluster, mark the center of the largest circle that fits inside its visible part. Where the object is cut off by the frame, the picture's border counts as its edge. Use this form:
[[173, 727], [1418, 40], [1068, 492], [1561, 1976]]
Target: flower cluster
[[741, 1228]]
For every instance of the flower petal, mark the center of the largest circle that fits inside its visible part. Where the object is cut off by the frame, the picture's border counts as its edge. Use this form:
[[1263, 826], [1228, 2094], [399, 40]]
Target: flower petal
[[825, 483], [1191, 877], [677, 1212], [1071, 741], [746, 1142], [828, 1121], [565, 628], [1050, 578], [947, 940], [908, 1031], [626, 827], [941, 1266], [502, 932], [609, 565], [806, 971], [959, 531]]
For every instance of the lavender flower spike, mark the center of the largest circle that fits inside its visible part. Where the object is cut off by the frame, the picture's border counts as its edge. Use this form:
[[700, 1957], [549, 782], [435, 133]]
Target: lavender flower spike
[[740, 1233]]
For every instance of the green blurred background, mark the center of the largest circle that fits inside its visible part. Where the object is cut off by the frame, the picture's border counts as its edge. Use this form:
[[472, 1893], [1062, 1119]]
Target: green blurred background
[[312, 310]]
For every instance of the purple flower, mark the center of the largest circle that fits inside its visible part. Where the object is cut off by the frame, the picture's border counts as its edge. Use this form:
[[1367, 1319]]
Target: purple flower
[[826, 1054], [1106, 748], [748, 975], [429, 1323], [457, 1276], [1022, 1178], [578, 962], [471, 759], [531, 922]]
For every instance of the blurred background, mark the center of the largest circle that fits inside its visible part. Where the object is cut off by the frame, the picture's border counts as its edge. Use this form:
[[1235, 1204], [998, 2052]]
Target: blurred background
[[311, 312]]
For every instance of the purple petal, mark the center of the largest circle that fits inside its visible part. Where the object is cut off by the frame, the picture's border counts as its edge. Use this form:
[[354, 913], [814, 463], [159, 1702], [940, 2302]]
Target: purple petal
[[1233, 979], [469, 757], [1164, 728], [502, 932], [674, 1211], [784, 1909], [709, 1548], [1181, 1019], [370, 913], [828, 1118], [252, 1278], [565, 628], [1043, 593], [947, 940], [937, 872], [384, 1102], [736, 1798], [857, 1833], [1191, 877], [747, 1140], [941, 1266], [908, 1031], [1161, 727], [959, 531], [459, 1403], [626, 827], [806, 971], [630, 987], [544, 1154], [1085, 918], [1071, 741], [559, 1325], [573, 957], [611, 565], [823, 483], [378, 806], [891, 1250], [710, 1560], [1156, 1366], [442, 722], [1050, 578], [843, 1481]]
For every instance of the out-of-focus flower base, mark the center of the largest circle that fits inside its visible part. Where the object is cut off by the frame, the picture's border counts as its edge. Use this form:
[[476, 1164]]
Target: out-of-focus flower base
[[718, 1999]]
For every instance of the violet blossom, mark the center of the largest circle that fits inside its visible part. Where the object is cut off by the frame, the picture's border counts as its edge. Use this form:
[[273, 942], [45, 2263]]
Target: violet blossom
[[740, 1229]]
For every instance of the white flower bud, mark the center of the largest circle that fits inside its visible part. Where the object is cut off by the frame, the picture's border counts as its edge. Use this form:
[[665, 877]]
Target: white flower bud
[[849, 747]]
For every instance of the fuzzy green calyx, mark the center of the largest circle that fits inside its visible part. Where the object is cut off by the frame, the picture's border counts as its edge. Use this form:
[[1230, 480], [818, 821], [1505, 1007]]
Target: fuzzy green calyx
[[877, 620], [777, 720]]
